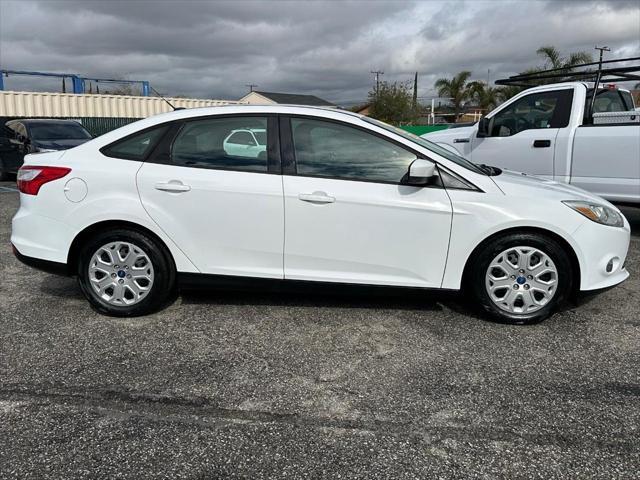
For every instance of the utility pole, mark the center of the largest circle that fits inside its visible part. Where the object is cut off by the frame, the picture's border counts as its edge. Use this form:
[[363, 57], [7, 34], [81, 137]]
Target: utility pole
[[377, 73], [415, 91], [250, 85]]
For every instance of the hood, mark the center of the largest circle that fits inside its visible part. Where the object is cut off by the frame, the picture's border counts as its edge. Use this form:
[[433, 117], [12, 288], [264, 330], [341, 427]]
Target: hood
[[521, 184], [449, 134], [64, 144]]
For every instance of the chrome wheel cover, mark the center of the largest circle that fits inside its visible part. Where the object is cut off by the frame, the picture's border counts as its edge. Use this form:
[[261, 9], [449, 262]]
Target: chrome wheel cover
[[121, 273], [521, 280]]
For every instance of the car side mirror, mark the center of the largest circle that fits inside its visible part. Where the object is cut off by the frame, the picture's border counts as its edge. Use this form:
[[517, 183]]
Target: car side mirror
[[483, 127], [421, 172]]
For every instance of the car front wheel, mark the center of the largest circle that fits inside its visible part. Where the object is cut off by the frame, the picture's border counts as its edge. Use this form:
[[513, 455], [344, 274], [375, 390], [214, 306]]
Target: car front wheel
[[126, 273], [520, 278]]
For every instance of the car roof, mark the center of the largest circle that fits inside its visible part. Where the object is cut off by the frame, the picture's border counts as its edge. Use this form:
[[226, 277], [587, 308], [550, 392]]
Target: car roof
[[236, 109], [240, 108]]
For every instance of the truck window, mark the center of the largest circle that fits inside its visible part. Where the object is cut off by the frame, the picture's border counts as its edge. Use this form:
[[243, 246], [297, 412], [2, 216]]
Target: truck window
[[609, 100], [534, 111]]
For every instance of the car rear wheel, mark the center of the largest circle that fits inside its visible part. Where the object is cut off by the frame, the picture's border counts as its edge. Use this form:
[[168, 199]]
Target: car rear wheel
[[126, 273], [520, 278]]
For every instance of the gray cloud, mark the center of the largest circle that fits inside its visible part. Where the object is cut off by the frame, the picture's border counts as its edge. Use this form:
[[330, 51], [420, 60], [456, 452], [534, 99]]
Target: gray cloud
[[211, 49]]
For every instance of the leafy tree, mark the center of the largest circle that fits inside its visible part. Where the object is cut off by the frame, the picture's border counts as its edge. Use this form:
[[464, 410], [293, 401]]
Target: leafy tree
[[456, 89], [485, 96], [393, 103]]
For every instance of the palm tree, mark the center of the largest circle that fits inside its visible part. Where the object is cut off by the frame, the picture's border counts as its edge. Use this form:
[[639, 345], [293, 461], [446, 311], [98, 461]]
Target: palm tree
[[553, 59], [487, 97], [455, 89], [506, 92]]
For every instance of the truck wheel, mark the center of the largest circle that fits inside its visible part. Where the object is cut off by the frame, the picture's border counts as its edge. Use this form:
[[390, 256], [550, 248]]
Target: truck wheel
[[520, 278], [126, 273]]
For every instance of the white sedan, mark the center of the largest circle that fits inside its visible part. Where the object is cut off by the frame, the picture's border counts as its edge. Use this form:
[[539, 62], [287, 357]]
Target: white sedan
[[338, 198]]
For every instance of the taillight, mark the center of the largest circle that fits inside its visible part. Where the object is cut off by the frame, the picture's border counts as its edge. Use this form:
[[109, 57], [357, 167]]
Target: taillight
[[31, 178]]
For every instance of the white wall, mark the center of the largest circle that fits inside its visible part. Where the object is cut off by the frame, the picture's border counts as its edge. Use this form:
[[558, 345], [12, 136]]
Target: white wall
[[42, 104]]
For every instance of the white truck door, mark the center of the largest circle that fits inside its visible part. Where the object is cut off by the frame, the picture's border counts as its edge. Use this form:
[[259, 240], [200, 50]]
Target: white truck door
[[522, 134]]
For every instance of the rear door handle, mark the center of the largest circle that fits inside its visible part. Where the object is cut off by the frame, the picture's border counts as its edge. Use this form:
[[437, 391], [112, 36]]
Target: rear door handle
[[541, 143], [173, 186], [316, 197]]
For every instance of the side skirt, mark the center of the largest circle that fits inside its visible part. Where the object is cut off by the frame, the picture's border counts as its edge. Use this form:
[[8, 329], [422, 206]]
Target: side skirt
[[200, 281]]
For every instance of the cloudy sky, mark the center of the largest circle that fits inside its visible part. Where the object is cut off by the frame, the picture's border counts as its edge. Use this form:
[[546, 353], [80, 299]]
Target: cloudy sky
[[211, 49]]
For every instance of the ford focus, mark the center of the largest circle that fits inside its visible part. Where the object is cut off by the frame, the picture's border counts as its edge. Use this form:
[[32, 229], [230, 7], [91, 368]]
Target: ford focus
[[331, 197]]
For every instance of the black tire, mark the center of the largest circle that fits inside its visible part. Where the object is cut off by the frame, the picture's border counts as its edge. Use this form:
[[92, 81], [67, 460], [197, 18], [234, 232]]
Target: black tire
[[484, 255], [162, 290]]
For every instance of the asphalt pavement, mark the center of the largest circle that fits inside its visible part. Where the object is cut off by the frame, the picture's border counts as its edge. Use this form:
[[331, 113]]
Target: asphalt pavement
[[254, 385]]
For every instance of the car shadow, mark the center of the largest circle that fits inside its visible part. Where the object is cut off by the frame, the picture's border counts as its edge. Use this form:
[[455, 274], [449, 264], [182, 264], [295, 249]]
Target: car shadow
[[342, 296], [61, 287], [633, 216], [396, 299]]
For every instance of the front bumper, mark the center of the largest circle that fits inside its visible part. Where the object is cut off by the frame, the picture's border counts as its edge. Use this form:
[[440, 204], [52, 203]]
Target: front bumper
[[602, 251]]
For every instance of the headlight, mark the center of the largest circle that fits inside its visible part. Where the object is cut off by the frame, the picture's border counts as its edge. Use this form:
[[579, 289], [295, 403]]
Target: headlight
[[598, 213]]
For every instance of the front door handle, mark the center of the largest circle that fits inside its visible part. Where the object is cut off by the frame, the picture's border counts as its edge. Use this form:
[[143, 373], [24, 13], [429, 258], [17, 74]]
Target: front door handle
[[174, 186], [316, 197], [541, 143]]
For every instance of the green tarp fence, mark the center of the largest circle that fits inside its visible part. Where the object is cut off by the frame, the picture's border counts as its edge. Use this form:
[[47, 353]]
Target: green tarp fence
[[422, 129]]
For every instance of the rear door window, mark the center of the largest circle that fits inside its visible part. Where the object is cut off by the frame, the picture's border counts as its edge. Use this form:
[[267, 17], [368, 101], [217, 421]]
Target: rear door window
[[223, 143]]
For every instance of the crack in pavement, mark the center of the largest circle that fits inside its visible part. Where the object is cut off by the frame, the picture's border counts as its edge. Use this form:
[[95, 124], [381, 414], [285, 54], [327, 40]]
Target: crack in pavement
[[199, 411]]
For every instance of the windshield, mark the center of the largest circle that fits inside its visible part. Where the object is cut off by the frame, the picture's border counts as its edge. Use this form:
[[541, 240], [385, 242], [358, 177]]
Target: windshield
[[58, 131], [443, 152]]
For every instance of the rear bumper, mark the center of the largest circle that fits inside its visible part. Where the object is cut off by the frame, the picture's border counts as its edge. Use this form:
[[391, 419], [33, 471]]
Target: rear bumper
[[45, 265]]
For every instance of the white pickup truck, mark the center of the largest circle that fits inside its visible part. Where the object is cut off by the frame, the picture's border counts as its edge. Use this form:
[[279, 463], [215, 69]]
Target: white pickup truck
[[549, 131]]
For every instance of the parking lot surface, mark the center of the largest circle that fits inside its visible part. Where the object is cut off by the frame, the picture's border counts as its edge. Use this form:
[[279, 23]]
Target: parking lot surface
[[256, 385]]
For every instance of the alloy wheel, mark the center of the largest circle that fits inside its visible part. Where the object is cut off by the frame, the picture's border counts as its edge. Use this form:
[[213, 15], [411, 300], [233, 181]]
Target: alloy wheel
[[521, 280], [121, 273]]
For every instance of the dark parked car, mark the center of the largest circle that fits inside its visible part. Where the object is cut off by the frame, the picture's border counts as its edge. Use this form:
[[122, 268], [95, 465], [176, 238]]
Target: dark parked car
[[23, 136]]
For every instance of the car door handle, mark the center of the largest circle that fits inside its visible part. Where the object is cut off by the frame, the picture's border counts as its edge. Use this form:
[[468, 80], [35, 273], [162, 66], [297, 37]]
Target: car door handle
[[316, 197], [173, 186], [541, 143]]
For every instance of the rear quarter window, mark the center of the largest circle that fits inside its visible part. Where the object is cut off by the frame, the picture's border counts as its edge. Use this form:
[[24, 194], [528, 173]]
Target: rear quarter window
[[136, 146]]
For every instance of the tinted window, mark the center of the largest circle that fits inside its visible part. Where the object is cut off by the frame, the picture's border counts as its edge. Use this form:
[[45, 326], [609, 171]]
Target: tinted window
[[336, 150], [58, 131], [18, 129], [224, 143], [241, 138], [136, 146], [535, 111]]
